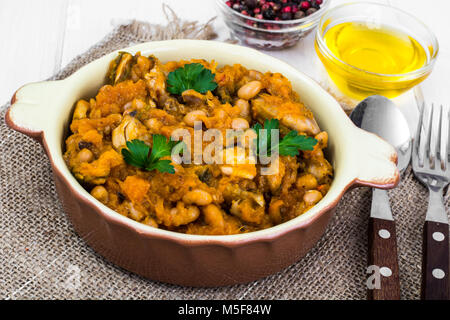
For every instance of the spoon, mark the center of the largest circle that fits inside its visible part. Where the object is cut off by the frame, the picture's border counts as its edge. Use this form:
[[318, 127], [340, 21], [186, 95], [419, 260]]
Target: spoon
[[379, 115]]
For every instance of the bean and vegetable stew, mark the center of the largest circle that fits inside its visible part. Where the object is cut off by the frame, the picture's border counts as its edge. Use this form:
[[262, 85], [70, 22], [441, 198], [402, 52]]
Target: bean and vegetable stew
[[121, 151]]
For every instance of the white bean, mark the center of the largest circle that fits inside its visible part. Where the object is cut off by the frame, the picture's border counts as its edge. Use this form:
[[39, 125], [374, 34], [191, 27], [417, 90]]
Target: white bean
[[311, 197], [255, 75], [250, 90], [213, 216], [244, 107], [100, 193], [239, 124], [81, 110], [197, 196], [193, 116], [85, 155]]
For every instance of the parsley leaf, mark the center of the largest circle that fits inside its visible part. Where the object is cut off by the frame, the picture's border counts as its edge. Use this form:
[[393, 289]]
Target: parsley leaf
[[288, 146], [191, 76], [161, 147], [293, 142], [138, 154]]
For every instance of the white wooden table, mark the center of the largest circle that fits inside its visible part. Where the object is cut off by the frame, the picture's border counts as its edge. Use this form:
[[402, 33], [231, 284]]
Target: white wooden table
[[39, 37]]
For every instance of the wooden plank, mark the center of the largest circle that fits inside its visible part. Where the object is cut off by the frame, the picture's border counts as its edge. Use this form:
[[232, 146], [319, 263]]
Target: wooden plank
[[32, 34], [433, 14], [89, 21]]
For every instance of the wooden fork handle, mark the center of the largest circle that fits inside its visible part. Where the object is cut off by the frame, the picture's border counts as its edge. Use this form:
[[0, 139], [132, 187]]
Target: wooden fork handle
[[383, 260], [435, 263]]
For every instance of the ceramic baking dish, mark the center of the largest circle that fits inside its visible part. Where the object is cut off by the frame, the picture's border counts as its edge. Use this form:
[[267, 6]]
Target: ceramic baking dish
[[42, 111]]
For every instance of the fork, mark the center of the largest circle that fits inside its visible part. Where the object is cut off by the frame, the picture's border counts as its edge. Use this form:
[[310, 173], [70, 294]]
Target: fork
[[431, 166]]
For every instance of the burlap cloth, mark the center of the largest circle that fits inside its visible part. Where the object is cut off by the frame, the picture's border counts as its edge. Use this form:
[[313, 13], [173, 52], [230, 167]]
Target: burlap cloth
[[41, 257]]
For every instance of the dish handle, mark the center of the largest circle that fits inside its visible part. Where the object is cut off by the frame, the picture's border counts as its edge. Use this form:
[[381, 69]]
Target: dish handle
[[31, 107], [376, 161]]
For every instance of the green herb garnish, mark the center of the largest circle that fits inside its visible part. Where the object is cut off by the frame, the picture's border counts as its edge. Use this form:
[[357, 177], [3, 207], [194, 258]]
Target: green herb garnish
[[192, 76], [288, 146], [138, 154]]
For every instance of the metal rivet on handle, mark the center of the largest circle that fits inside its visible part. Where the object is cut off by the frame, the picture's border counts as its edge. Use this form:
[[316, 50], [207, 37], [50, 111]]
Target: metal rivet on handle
[[385, 271], [383, 233], [438, 236], [438, 273]]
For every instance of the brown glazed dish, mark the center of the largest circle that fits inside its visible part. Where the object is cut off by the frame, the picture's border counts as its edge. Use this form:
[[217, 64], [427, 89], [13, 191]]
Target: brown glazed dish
[[43, 111]]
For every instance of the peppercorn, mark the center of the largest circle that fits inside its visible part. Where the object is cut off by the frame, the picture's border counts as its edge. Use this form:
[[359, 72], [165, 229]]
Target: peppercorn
[[299, 14], [269, 14], [305, 5], [314, 4], [286, 16], [251, 4], [275, 9], [310, 11]]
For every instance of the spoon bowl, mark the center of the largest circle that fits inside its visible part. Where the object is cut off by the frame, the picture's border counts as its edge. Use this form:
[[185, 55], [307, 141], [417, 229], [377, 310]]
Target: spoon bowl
[[379, 115]]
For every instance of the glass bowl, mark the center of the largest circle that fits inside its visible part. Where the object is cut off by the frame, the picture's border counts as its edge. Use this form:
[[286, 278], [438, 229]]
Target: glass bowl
[[356, 83], [268, 34]]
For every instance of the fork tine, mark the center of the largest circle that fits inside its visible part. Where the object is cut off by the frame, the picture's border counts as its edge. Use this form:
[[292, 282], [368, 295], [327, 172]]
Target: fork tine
[[416, 145], [444, 132], [423, 135], [435, 132]]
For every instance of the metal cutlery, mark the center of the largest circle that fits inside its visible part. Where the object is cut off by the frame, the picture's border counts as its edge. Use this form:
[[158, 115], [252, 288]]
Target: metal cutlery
[[431, 166], [381, 116]]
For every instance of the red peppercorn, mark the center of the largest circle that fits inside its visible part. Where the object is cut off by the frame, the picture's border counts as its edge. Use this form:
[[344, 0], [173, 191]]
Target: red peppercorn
[[275, 9], [305, 5]]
